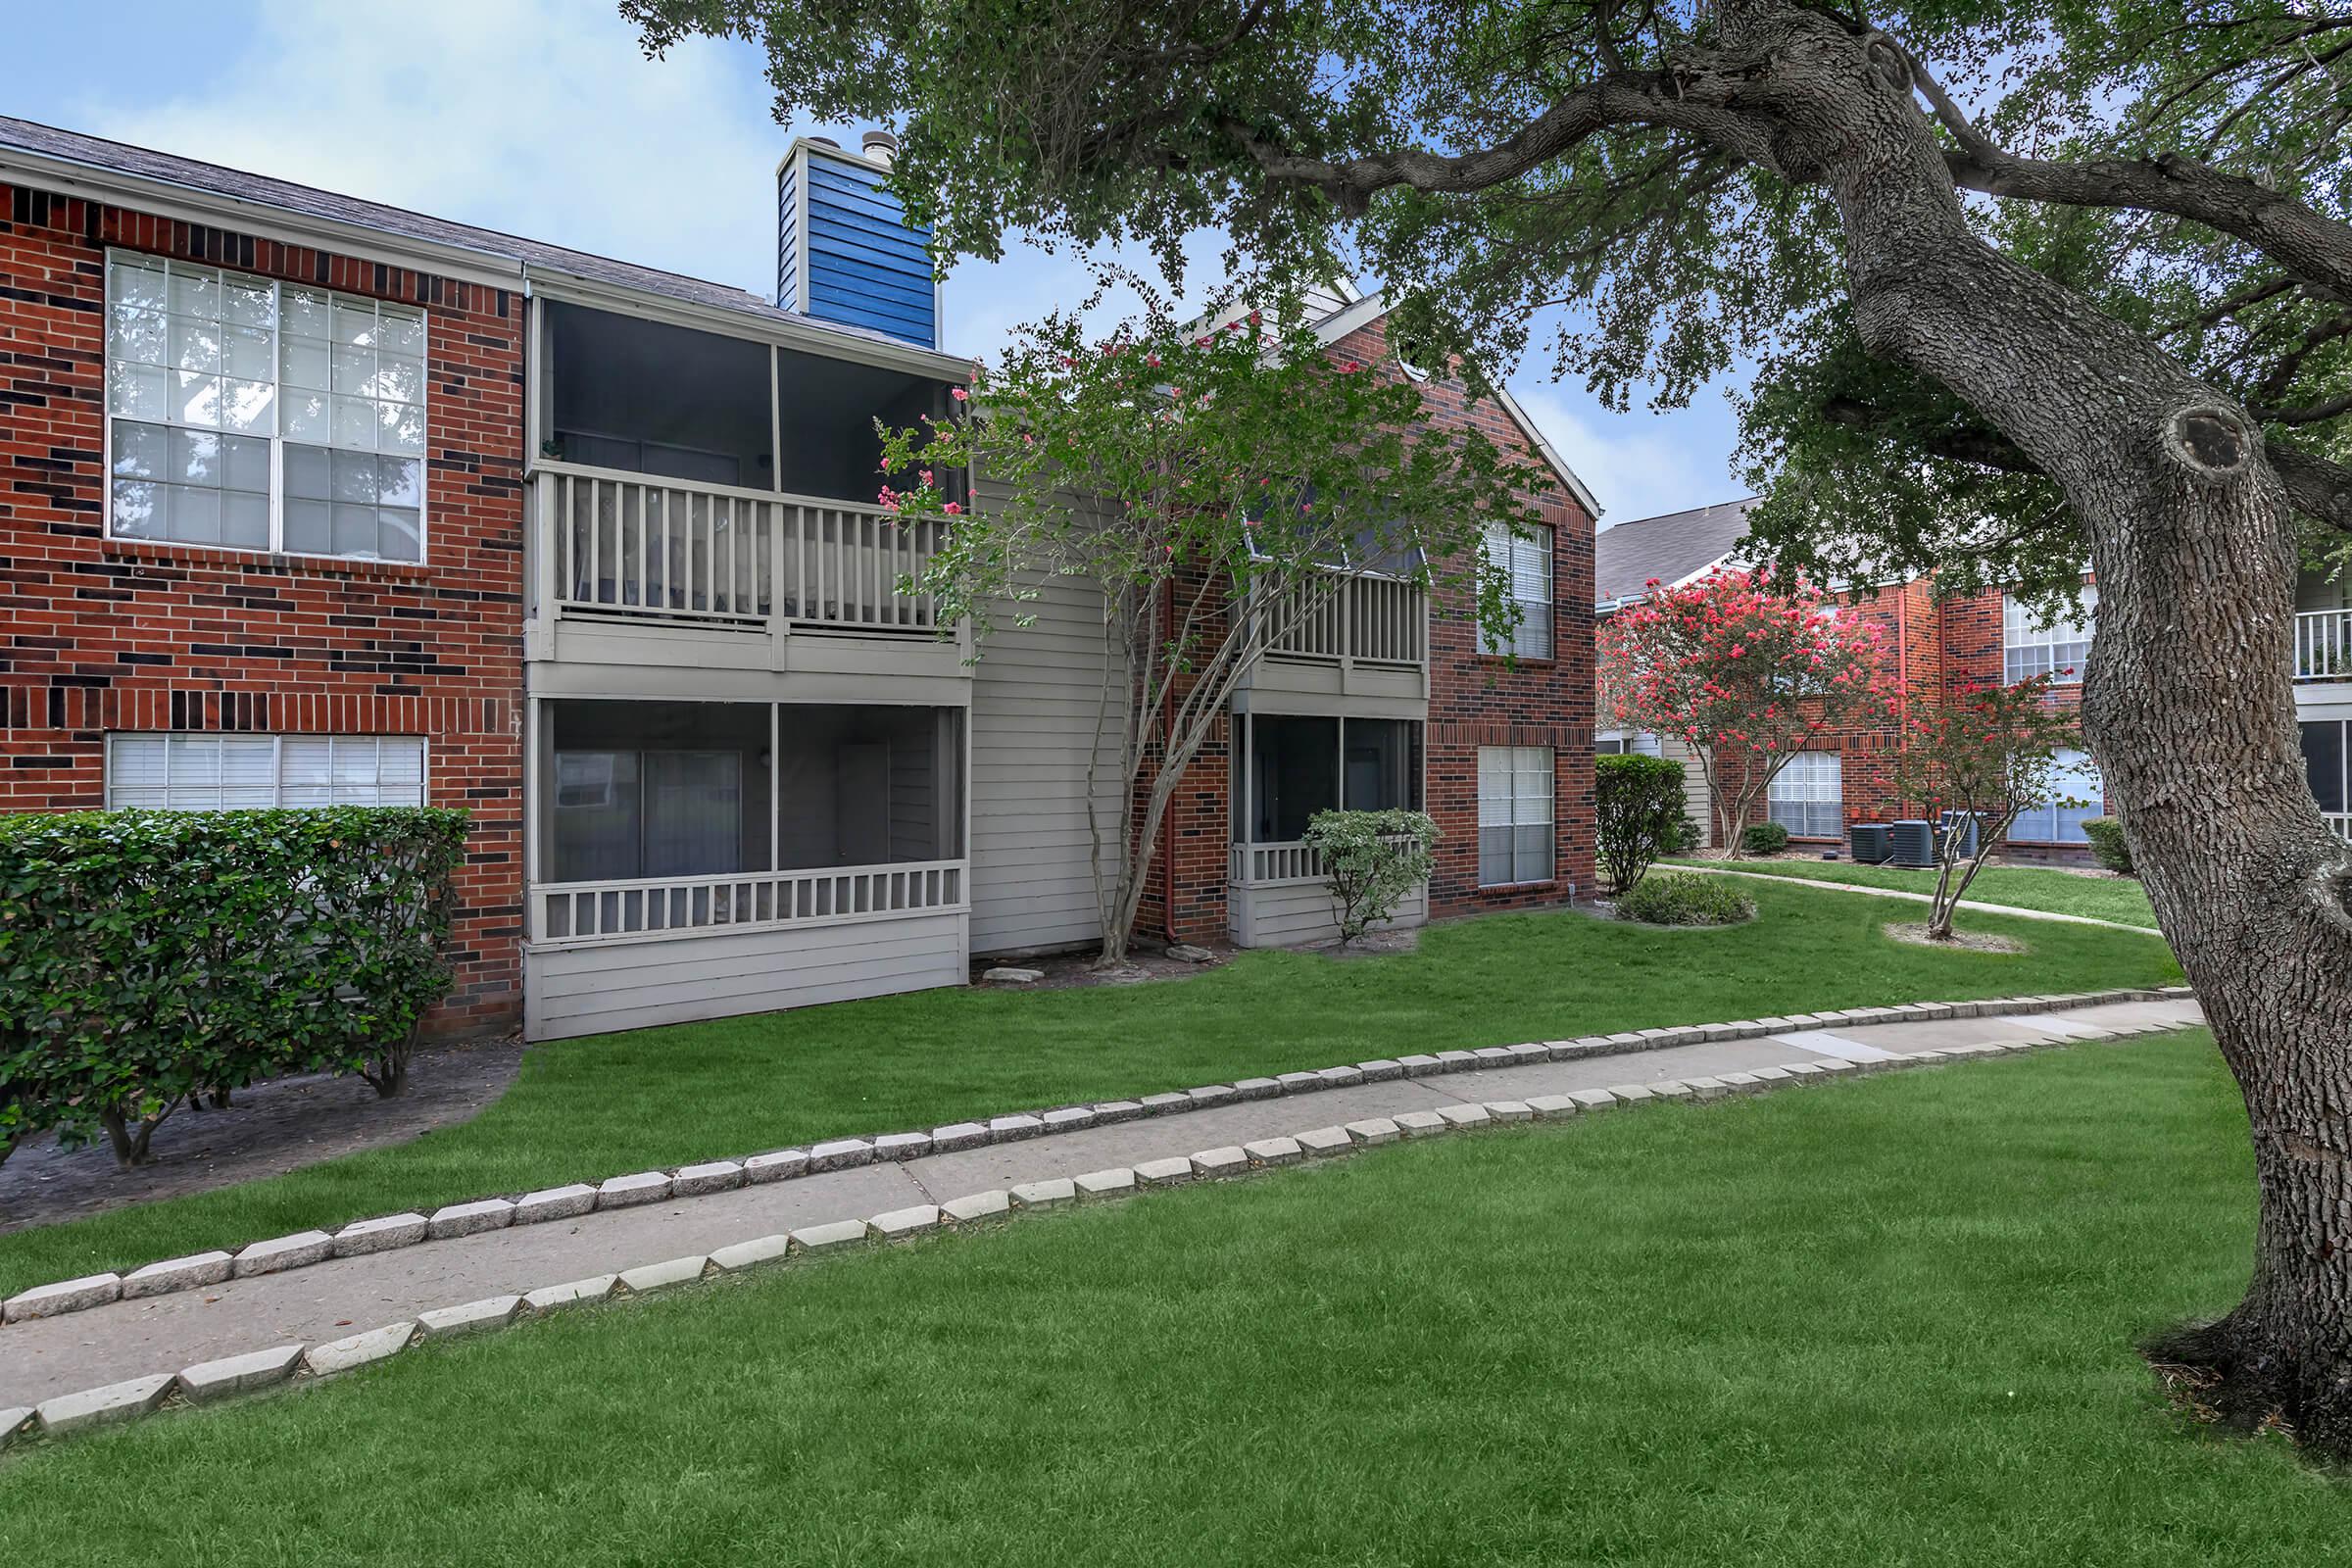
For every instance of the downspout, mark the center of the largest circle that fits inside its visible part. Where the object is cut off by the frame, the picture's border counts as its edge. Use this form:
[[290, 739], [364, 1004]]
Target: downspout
[[1167, 742]]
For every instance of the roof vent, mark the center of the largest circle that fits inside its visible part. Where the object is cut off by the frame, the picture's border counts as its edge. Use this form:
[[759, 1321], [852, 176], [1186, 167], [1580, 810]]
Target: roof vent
[[845, 252]]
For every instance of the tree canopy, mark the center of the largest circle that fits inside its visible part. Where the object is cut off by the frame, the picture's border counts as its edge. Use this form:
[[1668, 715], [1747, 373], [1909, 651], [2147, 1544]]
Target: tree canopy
[[2181, 163]]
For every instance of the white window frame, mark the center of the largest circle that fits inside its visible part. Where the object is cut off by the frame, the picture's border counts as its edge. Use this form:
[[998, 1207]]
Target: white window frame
[[277, 763], [1510, 765], [1800, 787], [2029, 648], [2038, 824], [274, 435], [1503, 551]]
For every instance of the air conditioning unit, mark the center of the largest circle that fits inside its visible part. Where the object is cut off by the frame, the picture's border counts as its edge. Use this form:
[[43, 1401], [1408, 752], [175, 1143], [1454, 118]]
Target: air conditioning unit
[[1872, 843], [1914, 842]]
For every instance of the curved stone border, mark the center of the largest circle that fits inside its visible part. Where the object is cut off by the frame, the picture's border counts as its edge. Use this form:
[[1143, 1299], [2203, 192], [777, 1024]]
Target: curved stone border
[[385, 1232], [291, 1365]]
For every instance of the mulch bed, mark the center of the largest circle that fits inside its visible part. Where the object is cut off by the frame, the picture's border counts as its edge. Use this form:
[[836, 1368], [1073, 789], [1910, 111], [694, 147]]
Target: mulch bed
[[271, 1127]]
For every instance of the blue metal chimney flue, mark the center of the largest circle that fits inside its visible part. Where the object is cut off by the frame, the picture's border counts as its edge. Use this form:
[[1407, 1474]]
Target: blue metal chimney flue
[[845, 252]]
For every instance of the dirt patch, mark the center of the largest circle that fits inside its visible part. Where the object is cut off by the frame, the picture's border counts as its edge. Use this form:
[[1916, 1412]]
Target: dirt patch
[[272, 1127], [1070, 971], [1916, 933], [1371, 945]]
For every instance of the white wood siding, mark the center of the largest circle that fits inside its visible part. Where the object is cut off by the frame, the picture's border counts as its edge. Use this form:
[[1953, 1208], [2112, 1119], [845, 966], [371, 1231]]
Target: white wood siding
[[630, 985], [1034, 695], [1695, 787]]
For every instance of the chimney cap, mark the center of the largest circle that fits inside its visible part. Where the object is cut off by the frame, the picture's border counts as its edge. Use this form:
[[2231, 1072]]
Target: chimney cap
[[826, 141], [880, 147]]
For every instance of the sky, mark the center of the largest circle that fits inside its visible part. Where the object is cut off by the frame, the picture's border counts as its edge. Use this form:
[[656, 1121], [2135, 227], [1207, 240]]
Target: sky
[[543, 117]]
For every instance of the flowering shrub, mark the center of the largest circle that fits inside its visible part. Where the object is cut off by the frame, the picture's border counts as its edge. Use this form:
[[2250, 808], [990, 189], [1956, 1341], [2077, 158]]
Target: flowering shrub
[[1372, 860], [1747, 671]]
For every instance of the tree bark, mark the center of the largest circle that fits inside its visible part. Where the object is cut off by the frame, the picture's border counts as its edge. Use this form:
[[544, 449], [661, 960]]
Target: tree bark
[[2188, 701]]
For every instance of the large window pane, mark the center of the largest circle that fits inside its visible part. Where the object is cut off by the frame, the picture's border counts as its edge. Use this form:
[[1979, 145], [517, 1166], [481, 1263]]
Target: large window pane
[[223, 363], [1807, 797], [655, 789], [1514, 814], [1383, 765], [2060, 650], [2324, 753], [231, 772], [2075, 778], [1297, 773], [1526, 563]]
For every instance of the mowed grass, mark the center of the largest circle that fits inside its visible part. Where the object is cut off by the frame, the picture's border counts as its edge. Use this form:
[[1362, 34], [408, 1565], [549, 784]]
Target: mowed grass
[[589, 1108], [1876, 1322], [2021, 887]]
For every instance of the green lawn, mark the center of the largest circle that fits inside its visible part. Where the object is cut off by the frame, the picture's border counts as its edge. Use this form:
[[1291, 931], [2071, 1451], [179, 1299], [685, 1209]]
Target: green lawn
[[2101, 898], [1878, 1322], [589, 1108]]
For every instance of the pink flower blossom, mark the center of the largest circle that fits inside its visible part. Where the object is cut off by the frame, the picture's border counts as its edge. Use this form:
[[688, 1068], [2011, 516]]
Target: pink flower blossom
[[953, 510], [957, 393]]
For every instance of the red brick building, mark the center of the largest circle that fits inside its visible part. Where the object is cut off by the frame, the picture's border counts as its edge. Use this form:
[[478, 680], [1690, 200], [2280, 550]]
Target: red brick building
[[304, 500], [1422, 724]]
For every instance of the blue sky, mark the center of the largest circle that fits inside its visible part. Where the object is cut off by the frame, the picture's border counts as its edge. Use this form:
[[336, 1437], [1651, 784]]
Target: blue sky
[[542, 118]]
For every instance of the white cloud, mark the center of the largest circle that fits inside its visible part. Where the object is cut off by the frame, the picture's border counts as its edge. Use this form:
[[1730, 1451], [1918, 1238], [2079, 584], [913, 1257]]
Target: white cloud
[[1637, 465], [534, 117]]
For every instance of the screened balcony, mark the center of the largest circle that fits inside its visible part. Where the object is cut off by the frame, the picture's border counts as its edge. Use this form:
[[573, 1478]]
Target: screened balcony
[[686, 477], [658, 819]]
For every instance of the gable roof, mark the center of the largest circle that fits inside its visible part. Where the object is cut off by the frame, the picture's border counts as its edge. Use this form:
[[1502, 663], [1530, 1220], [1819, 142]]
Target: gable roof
[[1363, 309], [1671, 548], [121, 174]]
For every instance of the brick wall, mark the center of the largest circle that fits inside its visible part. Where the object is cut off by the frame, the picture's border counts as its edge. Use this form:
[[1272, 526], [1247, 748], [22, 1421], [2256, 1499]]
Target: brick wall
[[1475, 701], [107, 635]]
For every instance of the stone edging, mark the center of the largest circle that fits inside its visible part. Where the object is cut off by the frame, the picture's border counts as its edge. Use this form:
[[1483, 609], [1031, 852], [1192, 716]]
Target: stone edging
[[383, 1233], [293, 1365]]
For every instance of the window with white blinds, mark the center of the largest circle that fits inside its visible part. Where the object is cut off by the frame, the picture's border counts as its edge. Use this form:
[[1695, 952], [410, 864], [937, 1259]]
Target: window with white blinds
[[262, 416], [2059, 650], [1807, 797], [246, 772], [1527, 564], [1514, 814]]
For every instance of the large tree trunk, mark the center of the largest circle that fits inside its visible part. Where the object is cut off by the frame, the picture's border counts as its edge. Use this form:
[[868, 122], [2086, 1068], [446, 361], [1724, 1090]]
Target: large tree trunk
[[2189, 703]]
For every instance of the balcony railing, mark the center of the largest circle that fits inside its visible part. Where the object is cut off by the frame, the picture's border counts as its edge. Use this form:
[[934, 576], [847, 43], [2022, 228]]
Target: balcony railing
[[2323, 644], [1368, 621], [687, 906], [1257, 865], [639, 546]]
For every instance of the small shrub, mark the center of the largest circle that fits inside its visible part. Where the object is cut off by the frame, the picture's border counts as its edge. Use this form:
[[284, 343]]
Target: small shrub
[[2107, 846], [1372, 860], [1637, 808], [1764, 838], [1674, 897], [146, 957]]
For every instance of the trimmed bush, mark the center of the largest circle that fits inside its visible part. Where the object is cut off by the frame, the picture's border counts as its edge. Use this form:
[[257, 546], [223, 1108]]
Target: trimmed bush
[[2107, 846], [1372, 860], [148, 955], [1638, 814], [1674, 898], [1764, 838]]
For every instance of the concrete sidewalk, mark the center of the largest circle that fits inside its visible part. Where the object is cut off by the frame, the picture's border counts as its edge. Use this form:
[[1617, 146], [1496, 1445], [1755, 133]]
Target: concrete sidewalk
[[1916, 898], [45, 1357]]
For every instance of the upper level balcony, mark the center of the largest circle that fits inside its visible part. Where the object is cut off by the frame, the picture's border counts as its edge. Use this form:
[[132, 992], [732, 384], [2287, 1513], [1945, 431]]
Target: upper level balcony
[[706, 503], [2323, 644], [1364, 635]]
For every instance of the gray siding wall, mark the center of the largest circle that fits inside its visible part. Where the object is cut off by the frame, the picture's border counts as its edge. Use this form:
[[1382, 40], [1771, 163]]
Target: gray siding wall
[[1034, 695], [630, 985], [1293, 915], [1695, 787]]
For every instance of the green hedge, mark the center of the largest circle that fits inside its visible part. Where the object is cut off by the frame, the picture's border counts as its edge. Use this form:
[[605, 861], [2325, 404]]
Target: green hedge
[[2107, 846], [1638, 806], [149, 955], [1672, 897], [1764, 838]]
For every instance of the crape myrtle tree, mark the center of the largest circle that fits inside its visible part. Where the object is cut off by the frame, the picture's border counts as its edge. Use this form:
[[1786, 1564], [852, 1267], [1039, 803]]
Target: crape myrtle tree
[[1984, 751], [2032, 285], [1747, 672], [1224, 485]]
